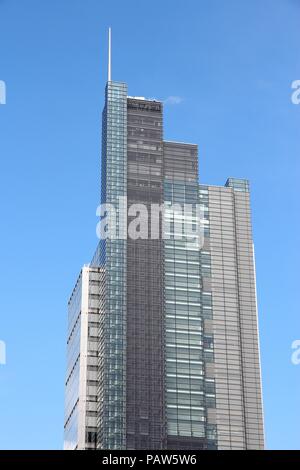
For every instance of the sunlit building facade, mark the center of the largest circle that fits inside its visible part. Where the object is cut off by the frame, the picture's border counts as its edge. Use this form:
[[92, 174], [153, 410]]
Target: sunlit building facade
[[85, 310]]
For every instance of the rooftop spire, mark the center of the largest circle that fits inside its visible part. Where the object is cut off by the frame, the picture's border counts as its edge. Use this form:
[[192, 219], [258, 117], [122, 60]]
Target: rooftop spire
[[109, 55]]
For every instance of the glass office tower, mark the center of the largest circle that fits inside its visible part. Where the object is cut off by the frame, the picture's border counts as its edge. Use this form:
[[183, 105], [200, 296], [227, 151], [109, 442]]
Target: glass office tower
[[177, 336]]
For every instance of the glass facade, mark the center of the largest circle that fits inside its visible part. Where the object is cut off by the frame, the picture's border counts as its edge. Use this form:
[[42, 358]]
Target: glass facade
[[238, 184], [188, 347], [114, 185], [73, 370]]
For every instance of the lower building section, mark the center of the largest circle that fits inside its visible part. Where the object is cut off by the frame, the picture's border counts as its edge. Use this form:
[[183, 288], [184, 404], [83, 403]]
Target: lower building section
[[192, 374], [84, 313]]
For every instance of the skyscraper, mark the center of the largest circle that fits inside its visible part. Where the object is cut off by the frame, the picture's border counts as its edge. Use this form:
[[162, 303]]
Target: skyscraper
[[163, 346]]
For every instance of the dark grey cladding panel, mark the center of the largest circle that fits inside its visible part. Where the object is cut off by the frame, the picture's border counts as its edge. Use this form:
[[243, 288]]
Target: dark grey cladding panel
[[145, 418], [180, 161]]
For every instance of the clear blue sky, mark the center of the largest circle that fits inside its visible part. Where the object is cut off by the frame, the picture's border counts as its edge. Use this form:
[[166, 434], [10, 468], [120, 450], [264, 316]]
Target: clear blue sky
[[232, 64]]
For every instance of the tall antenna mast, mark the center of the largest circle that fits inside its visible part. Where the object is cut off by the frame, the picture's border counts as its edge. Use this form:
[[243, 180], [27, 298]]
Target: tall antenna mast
[[109, 55]]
